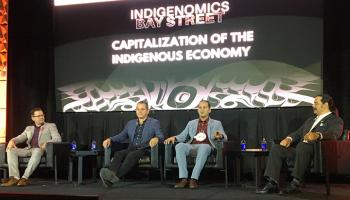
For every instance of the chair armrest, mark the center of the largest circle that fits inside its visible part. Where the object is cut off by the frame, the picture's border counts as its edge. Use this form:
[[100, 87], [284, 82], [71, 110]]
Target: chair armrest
[[61, 148], [335, 156], [2, 153], [49, 154], [324, 151], [107, 156], [219, 158], [58, 149], [155, 154], [168, 154]]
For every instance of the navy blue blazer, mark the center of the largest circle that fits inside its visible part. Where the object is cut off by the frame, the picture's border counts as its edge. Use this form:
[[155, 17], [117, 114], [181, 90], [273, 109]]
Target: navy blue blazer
[[151, 129]]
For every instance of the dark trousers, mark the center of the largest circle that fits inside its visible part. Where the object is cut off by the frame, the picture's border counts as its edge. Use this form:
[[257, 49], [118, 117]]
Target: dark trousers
[[126, 159], [302, 155]]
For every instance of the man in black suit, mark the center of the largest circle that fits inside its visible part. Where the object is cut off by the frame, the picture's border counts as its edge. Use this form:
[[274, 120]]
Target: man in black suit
[[326, 126]]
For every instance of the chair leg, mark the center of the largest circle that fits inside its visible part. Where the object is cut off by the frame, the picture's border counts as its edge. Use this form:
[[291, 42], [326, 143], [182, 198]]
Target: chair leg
[[164, 175], [4, 173], [161, 171], [328, 185], [55, 166], [226, 175]]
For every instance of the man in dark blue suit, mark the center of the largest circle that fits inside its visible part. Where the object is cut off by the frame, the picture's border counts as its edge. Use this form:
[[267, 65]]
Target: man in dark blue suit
[[143, 133]]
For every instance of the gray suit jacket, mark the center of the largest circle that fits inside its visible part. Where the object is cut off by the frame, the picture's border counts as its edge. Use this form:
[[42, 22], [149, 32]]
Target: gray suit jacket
[[48, 133], [191, 130]]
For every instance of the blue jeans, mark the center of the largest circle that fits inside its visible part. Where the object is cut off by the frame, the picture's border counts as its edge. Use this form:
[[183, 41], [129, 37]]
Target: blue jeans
[[183, 150]]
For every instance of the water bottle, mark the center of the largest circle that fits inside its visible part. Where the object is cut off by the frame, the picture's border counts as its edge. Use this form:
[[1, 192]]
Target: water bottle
[[73, 145], [243, 145], [93, 145], [263, 144]]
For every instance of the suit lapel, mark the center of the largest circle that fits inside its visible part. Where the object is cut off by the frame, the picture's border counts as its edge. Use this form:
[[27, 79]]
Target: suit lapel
[[195, 125], [132, 130], [145, 129], [310, 123], [42, 128], [210, 123], [31, 133], [322, 121]]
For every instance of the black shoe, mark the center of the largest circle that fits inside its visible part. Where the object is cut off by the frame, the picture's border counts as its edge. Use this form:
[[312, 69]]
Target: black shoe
[[268, 188], [292, 188], [108, 178]]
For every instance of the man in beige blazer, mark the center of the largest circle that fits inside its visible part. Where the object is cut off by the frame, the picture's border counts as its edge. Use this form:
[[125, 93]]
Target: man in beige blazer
[[36, 137]]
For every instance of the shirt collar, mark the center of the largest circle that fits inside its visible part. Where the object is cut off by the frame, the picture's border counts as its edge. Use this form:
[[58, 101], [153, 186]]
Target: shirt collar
[[205, 121], [144, 122], [323, 115]]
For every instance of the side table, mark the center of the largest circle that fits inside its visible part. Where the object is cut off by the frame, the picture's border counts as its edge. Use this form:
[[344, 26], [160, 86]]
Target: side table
[[259, 155], [80, 155]]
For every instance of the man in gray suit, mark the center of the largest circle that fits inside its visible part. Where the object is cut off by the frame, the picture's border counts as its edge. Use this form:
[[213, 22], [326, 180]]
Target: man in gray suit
[[36, 137], [201, 133]]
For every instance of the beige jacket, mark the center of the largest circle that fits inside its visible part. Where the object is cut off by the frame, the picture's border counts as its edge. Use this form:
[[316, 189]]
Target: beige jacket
[[48, 133]]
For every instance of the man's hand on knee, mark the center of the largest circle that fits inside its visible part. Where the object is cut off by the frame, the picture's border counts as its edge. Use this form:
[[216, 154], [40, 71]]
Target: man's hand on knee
[[43, 146], [286, 142], [11, 145]]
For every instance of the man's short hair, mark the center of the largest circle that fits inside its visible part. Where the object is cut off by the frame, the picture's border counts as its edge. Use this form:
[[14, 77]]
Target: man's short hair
[[203, 100], [144, 102], [326, 98], [34, 110]]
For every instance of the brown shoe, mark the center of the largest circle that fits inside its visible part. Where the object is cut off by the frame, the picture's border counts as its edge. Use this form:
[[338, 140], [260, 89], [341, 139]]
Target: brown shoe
[[23, 182], [10, 182], [193, 184], [4, 180], [181, 184]]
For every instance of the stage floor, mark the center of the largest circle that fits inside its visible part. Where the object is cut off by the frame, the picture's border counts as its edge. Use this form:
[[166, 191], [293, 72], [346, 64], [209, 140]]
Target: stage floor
[[147, 190]]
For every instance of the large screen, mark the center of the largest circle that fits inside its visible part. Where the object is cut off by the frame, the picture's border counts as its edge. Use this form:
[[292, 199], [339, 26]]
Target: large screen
[[109, 55]]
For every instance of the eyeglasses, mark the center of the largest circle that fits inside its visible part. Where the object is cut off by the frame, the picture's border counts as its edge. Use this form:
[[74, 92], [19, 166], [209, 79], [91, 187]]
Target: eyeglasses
[[38, 116]]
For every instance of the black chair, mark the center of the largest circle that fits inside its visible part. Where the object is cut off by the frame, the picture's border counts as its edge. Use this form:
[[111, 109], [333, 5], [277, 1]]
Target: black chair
[[48, 160], [152, 161], [216, 160], [3, 165]]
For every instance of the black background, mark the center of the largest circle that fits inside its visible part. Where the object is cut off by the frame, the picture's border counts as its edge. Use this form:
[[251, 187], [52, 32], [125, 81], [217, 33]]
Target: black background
[[31, 83]]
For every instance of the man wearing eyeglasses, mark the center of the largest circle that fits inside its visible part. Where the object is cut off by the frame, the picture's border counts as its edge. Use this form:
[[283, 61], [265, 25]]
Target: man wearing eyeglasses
[[36, 137]]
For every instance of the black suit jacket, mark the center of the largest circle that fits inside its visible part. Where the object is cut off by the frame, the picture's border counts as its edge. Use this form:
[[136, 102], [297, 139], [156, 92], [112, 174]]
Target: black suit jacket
[[330, 126]]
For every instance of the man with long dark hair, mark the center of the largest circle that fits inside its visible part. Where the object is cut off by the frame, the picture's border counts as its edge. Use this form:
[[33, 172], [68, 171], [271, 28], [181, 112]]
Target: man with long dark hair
[[325, 126]]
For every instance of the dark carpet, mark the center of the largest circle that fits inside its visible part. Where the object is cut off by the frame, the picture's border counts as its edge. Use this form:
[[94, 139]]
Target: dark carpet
[[154, 190]]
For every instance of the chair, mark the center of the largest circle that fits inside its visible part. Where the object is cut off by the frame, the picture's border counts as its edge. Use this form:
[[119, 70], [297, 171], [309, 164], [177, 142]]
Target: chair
[[48, 160], [332, 157], [216, 160], [152, 161], [3, 165]]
